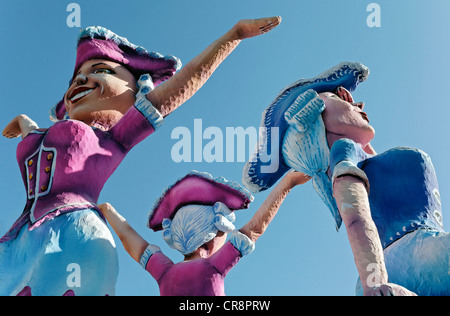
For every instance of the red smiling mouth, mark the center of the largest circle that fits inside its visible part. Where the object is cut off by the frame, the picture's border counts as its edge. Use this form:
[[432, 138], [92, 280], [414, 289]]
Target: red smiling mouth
[[79, 93], [364, 115]]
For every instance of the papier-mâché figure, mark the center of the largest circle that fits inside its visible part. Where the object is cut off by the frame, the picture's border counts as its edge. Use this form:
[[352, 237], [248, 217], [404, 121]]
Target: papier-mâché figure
[[119, 95], [389, 202], [196, 214]]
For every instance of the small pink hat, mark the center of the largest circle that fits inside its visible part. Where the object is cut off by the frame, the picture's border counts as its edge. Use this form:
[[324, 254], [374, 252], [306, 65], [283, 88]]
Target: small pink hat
[[197, 188], [96, 42]]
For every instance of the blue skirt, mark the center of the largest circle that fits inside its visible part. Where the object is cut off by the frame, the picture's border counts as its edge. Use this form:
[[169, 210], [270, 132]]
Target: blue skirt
[[73, 252], [420, 262]]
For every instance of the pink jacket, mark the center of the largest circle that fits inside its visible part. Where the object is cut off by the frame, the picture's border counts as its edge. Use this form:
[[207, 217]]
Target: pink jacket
[[65, 167], [199, 277]]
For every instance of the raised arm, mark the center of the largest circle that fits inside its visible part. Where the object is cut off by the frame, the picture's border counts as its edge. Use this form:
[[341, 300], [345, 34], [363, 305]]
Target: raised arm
[[265, 214], [133, 243], [183, 85]]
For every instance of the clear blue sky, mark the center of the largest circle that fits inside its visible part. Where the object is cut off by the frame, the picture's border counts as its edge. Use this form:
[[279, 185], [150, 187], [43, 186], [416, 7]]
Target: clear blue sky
[[301, 253]]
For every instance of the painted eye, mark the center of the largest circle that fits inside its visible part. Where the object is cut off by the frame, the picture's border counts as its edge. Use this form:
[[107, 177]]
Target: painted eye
[[104, 71]]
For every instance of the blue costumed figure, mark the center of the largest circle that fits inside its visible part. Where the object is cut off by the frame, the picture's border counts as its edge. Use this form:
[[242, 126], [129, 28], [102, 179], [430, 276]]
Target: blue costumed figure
[[389, 202]]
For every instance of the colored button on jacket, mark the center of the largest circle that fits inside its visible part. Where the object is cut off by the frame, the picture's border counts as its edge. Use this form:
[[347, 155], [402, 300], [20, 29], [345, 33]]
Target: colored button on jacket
[[39, 168]]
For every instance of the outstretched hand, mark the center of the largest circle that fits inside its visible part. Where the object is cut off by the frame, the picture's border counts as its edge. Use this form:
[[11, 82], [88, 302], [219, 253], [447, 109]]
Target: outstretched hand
[[295, 178], [13, 129], [388, 289], [250, 28], [20, 125]]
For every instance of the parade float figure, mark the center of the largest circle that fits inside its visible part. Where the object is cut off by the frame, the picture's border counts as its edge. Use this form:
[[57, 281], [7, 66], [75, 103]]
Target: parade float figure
[[114, 101], [389, 203], [196, 214]]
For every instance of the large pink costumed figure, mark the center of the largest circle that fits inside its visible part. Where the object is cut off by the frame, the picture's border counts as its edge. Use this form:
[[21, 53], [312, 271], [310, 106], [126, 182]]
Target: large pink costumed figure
[[118, 95]]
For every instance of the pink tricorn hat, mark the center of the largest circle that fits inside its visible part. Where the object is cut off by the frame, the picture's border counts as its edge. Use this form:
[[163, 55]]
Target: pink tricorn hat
[[197, 188], [96, 42]]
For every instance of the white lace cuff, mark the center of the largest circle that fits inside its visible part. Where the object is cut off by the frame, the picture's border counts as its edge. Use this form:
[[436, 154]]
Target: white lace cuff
[[151, 249], [144, 106], [242, 243], [346, 167]]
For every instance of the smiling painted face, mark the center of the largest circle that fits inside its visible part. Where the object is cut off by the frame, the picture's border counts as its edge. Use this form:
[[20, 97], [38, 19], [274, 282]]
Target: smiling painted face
[[101, 93], [344, 118]]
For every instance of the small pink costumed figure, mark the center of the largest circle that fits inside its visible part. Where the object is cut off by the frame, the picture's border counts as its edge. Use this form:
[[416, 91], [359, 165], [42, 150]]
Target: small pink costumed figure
[[114, 101], [196, 214]]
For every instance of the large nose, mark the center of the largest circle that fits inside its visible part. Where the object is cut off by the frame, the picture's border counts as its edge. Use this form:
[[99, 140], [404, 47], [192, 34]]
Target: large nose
[[81, 79], [359, 104]]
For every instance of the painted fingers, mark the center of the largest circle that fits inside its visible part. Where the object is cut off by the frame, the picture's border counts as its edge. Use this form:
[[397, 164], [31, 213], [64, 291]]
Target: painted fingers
[[274, 22], [388, 289], [250, 28], [13, 129]]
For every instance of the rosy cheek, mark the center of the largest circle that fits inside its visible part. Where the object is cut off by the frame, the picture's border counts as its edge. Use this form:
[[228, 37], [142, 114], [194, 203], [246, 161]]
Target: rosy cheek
[[330, 117]]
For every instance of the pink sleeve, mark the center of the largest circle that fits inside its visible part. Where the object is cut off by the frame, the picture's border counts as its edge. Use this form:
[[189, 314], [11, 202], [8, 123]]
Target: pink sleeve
[[226, 258], [155, 262], [139, 121]]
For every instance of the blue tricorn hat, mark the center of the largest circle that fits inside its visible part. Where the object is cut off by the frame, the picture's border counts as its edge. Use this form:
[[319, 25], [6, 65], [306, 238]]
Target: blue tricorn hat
[[347, 74]]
